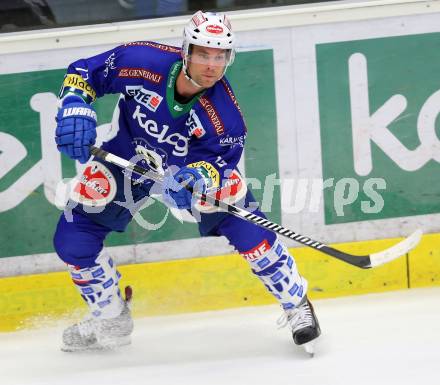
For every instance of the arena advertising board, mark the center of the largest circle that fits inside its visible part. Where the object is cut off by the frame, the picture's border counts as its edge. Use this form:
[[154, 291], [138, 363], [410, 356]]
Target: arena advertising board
[[382, 110], [366, 107], [342, 139]]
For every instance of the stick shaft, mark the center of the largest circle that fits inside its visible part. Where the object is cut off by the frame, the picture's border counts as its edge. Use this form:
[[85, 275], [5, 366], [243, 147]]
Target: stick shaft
[[361, 261]]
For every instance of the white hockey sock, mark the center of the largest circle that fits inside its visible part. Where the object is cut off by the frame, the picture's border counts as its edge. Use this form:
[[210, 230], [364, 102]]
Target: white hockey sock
[[98, 285], [277, 269]]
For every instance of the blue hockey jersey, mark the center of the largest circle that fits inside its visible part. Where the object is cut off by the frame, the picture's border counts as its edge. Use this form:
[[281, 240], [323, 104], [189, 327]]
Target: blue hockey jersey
[[209, 128]]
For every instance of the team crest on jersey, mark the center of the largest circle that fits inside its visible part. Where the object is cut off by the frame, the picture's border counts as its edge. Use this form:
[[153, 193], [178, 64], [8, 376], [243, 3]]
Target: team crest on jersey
[[152, 159], [147, 98], [95, 187]]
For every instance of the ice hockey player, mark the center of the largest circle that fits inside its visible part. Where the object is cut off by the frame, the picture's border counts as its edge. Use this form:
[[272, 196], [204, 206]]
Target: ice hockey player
[[176, 111]]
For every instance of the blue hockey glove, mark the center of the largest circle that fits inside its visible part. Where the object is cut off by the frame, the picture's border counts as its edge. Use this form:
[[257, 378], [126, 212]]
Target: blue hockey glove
[[76, 130], [173, 192]]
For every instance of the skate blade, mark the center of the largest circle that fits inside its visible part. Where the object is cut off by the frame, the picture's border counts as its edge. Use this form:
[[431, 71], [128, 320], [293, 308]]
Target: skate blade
[[114, 344], [309, 347]]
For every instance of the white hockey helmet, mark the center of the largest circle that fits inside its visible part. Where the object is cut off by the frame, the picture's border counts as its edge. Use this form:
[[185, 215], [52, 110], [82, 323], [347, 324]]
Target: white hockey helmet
[[208, 29]]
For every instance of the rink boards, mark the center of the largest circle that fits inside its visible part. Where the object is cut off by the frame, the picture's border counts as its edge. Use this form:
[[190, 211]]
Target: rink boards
[[342, 144], [217, 282]]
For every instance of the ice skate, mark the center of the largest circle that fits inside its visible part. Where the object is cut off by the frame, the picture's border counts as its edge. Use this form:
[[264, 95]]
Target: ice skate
[[94, 333], [304, 325]]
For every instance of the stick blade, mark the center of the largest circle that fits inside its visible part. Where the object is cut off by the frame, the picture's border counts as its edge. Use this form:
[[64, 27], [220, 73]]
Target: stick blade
[[397, 250]]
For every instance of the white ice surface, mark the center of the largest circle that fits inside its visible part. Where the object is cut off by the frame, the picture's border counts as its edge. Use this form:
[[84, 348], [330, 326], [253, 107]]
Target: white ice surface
[[391, 338]]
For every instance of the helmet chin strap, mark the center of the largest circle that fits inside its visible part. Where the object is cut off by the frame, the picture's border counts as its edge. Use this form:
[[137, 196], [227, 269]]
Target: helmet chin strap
[[185, 72]]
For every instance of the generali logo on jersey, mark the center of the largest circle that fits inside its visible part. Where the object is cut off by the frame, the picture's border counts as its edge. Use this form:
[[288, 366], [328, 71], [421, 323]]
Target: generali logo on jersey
[[213, 115], [140, 73], [214, 29]]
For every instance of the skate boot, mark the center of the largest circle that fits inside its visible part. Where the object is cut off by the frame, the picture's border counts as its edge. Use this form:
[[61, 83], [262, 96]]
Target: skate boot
[[94, 333], [304, 325]]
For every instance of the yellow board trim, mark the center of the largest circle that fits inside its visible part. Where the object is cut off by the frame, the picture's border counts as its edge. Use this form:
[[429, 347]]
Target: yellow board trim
[[218, 282]]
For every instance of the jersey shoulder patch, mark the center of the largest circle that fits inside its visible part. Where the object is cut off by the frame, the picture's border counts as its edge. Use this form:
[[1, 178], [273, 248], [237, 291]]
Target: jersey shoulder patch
[[145, 60]]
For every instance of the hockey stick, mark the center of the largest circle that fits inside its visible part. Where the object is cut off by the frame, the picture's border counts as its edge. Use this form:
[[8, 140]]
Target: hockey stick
[[361, 261]]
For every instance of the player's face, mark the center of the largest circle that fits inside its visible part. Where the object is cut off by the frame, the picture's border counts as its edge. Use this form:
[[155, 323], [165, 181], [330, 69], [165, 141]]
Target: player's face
[[206, 65]]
